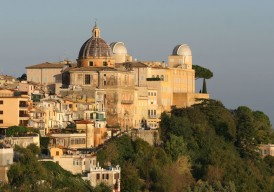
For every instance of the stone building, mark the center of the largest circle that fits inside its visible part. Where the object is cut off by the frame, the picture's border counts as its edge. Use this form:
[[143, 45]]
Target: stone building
[[130, 94]]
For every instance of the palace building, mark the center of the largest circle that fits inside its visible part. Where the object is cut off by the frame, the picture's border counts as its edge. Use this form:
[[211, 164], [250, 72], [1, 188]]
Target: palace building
[[129, 94]]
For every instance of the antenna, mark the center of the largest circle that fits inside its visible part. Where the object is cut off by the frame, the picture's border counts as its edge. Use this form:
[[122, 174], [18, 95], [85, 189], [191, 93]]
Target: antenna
[[95, 22]]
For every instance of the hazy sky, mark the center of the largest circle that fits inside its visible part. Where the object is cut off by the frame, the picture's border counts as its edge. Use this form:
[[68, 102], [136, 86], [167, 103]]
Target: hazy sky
[[235, 38]]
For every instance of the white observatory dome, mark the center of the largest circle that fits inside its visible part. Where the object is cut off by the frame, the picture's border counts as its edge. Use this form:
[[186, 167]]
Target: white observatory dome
[[183, 50], [118, 48]]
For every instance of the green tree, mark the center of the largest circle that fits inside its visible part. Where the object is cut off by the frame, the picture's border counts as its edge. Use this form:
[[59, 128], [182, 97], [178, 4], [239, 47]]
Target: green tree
[[201, 72], [263, 128], [102, 188], [16, 131], [131, 180], [27, 172], [246, 132], [175, 147], [23, 77], [204, 90]]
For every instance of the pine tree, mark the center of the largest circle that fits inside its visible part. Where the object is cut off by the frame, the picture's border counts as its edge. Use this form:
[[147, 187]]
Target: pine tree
[[204, 86]]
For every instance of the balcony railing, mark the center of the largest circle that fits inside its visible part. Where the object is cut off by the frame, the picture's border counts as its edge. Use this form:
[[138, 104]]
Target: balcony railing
[[127, 101], [23, 115], [152, 116], [23, 105], [154, 79]]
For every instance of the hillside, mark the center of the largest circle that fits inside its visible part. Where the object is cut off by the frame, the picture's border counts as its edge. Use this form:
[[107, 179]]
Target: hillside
[[205, 148]]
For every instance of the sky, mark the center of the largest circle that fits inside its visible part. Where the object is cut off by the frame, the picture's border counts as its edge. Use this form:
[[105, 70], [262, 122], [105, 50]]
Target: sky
[[234, 39]]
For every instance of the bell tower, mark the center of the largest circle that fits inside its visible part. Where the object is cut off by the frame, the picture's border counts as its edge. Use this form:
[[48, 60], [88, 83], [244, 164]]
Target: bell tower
[[96, 31]]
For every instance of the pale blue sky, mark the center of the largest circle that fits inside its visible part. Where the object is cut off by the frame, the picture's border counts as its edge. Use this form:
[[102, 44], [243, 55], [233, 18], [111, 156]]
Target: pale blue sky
[[235, 38]]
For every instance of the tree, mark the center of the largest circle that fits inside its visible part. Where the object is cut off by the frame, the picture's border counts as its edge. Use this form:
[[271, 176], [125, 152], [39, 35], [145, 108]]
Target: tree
[[201, 72], [264, 131], [246, 132], [102, 188], [16, 130], [204, 90], [23, 77], [131, 179], [175, 147], [27, 172]]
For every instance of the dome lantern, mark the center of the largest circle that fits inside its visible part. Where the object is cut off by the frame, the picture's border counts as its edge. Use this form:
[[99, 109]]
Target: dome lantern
[[96, 31]]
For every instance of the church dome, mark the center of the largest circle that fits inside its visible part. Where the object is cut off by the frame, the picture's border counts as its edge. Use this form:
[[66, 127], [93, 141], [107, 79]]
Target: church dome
[[118, 48], [182, 50], [95, 46]]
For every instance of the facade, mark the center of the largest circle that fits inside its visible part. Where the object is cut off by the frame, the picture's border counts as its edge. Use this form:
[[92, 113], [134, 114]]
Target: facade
[[68, 140], [76, 164], [110, 176], [108, 88], [23, 141], [266, 149], [6, 159], [6, 156], [13, 108], [47, 74], [133, 94], [87, 166]]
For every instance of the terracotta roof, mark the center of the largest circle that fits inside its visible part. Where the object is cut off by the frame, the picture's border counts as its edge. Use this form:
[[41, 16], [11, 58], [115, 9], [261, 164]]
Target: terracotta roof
[[46, 65], [135, 64], [92, 69]]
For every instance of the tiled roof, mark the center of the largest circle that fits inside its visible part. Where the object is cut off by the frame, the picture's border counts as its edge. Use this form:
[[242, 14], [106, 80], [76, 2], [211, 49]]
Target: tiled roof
[[92, 69], [135, 64], [47, 65], [95, 47]]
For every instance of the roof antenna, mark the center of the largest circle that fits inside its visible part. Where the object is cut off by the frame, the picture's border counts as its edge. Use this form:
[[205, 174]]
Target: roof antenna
[[95, 22]]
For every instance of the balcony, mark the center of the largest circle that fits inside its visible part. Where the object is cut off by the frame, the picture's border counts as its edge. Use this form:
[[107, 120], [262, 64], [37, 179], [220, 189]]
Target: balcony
[[101, 119], [23, 104], [23, 115], [152, 116], [154, 79], [127, 102]]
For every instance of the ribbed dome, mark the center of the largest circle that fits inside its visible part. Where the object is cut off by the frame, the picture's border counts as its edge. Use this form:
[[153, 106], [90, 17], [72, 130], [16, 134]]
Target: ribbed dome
[[182, 50], [95, 47], [118, 48]]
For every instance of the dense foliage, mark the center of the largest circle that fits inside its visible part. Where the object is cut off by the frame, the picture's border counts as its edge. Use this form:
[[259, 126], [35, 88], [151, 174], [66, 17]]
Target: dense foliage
[[201, 72], [14, 131], [205, 148], [29, 174]]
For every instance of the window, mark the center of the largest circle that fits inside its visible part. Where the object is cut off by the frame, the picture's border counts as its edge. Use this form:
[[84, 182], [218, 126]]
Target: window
[[87, 79], [1, 112], [97, 176], [107, 176], [105, 63], [116, 176], [91, 63], [1, 121], [1, 102], [57, 153]]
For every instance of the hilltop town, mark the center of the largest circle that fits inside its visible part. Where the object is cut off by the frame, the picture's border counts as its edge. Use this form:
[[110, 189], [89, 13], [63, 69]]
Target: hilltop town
[[79, 112]]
